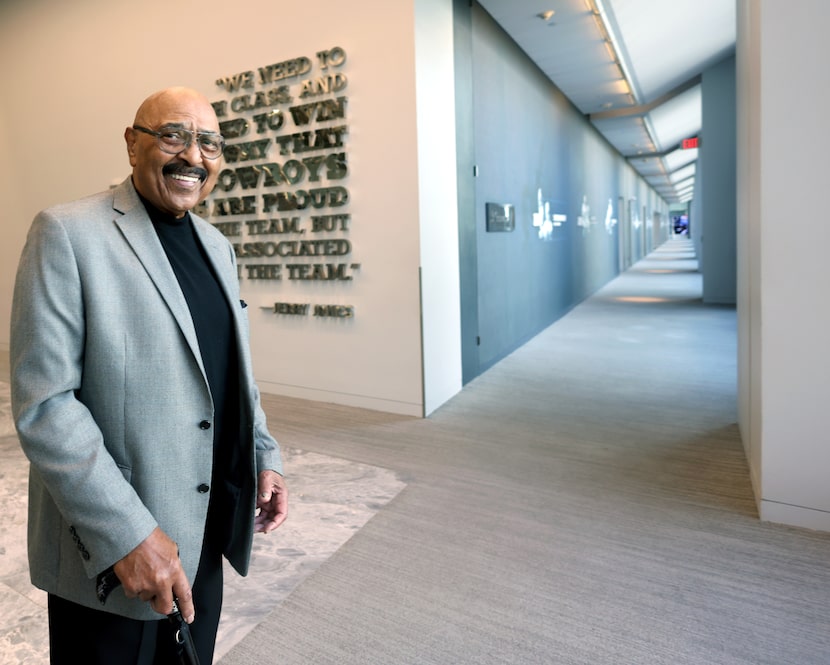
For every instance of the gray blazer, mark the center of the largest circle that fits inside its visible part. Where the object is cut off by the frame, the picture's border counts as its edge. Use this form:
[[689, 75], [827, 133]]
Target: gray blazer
[[111, 401]]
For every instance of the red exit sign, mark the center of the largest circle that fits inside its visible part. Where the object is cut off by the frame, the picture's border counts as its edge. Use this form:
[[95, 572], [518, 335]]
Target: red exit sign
[[690, 143]]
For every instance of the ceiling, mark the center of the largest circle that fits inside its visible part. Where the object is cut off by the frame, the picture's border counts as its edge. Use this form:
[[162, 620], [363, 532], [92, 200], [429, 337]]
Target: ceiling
[[633, 67]]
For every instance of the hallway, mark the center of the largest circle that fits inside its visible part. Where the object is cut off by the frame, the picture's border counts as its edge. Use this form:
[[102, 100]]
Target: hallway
[[585, 501]]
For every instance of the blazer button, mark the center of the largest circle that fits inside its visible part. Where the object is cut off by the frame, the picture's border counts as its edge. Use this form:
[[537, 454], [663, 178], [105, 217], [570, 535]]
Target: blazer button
[[204, 487], [205, 424]]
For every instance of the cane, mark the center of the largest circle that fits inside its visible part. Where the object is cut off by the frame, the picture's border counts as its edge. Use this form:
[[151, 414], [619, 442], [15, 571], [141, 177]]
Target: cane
[[185, 648]]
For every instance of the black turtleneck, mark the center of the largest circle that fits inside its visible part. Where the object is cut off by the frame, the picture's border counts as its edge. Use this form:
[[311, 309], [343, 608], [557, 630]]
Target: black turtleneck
[[212, 318]]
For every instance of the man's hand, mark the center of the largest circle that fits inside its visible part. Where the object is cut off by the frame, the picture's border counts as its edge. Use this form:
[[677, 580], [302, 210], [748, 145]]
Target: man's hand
[[271, 502], [154, 573]]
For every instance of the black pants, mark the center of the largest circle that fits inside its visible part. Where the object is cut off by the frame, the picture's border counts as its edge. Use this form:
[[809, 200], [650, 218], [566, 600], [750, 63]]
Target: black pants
[[79, 634]]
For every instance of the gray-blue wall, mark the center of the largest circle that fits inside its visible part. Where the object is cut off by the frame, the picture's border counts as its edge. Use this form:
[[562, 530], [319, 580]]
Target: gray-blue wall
[[523, 135], [716, 173]]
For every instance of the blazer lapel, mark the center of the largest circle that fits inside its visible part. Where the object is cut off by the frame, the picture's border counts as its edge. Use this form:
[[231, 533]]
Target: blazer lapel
[[218, 255], [139, 233], [217, 251]]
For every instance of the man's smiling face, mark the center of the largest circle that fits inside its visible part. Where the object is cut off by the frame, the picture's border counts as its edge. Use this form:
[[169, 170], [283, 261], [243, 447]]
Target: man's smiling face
[[172, 183]]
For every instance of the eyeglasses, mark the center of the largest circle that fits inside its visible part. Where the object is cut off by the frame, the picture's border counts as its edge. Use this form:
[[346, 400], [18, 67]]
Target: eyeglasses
[[174, 140]]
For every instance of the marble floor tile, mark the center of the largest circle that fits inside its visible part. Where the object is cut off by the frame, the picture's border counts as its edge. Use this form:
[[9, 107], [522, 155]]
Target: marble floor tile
[[330, 500], [24, 637]]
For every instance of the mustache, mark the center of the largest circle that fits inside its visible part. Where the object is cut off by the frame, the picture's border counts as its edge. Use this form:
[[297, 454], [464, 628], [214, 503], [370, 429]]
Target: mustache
[[184, 169]]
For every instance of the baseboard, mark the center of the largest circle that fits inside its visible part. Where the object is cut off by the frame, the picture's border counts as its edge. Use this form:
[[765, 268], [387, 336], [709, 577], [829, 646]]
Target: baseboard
[[783, 513], [5, 367], [344, 399]]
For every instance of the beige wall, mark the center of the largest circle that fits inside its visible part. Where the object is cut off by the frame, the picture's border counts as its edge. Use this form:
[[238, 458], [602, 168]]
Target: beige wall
[[74, 74]]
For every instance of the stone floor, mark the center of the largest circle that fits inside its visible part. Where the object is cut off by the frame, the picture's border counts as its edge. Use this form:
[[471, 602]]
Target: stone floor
[[330, 500]]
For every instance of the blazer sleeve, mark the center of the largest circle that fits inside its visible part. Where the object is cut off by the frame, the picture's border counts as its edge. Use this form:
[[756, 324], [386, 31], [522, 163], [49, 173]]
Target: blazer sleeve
[[57, 432], [266, 447]]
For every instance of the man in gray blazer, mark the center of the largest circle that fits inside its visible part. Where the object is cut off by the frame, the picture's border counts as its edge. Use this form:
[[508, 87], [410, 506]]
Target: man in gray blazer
[[134, 401]]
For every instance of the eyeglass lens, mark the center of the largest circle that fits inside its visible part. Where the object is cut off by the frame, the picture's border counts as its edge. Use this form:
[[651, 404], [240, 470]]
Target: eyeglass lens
[[174, 140]]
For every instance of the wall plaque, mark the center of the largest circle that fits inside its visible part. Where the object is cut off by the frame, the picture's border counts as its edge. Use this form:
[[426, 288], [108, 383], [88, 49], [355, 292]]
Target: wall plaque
[[501, 217]]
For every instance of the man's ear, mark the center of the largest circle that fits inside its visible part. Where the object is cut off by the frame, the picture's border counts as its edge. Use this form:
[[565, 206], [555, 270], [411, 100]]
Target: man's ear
[[130, 138]]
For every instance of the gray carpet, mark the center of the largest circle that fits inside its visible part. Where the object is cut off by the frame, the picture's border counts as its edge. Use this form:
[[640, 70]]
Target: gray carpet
[[586, 501]]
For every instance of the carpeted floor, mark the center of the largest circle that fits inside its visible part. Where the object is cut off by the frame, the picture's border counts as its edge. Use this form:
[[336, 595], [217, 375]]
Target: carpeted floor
[[584, 502]]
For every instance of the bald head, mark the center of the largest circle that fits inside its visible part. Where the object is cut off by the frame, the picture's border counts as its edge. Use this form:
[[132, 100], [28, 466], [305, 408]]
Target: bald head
[[173, 99], [174, 183]]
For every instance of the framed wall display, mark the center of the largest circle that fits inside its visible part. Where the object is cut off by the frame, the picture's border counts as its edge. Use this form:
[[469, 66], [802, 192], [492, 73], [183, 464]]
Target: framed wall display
[[501, 217]]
